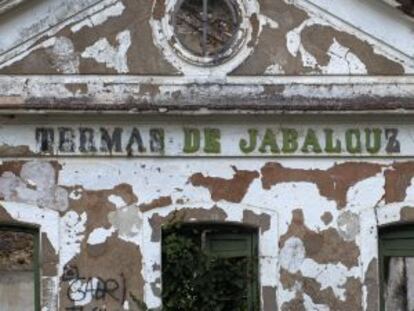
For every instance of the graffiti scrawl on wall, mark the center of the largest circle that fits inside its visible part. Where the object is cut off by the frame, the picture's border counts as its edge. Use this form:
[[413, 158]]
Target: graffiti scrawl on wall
[[84, 290]]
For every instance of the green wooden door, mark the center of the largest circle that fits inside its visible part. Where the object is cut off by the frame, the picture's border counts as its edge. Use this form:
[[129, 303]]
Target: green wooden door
[[239, 247]]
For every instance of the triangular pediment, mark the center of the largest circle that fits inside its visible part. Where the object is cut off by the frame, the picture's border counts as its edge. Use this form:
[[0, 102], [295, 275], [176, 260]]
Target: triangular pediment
[[297, 37]]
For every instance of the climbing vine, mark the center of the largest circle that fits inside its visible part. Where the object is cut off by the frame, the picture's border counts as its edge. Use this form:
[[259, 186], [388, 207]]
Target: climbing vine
[[196, 280]]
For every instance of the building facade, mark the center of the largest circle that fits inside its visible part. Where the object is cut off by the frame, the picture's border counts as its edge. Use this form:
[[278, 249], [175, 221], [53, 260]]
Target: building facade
[[280, 130]]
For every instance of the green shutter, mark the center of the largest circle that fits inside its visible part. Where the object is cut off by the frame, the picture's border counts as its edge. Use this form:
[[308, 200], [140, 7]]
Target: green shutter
[[393, 242], [238, 245]]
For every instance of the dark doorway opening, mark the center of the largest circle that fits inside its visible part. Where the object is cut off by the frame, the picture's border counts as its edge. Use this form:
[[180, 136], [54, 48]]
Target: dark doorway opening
[[210, 267]]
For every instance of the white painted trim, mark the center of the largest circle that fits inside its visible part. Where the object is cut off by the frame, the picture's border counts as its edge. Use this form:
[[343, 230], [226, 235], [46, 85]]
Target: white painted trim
[[107, 91], [48, 222], [26, 47], [268, 245], [372, 18], [368, 244], [132, 80]]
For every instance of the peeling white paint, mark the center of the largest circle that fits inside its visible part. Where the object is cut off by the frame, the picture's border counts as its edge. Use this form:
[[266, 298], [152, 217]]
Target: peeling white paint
[[36, 185], [72, 227], [151, 179], [266, 20], [113, 57], [34, 196], [342, 60], [292, 255], [65, 59], [45, 18], [99, 236], [117, 201], [127, 221]]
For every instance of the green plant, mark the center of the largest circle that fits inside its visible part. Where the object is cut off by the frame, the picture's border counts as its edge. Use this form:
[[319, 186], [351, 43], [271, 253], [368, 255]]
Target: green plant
[[195, 280]]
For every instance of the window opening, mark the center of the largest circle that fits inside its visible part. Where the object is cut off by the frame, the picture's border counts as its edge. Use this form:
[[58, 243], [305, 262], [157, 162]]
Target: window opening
[[206, 28], [209, 267], [396, 245], [19, 269]]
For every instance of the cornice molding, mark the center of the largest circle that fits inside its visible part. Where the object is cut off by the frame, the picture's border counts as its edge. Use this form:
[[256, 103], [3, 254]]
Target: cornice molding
[[249, 94], [6, 5]]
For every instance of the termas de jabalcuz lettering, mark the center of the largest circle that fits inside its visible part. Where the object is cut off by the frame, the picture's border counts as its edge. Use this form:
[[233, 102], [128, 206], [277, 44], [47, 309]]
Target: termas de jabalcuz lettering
[[211, 141]]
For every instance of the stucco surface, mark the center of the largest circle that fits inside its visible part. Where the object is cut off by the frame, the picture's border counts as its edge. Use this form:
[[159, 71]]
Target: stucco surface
[[124, 37], [115, 210]]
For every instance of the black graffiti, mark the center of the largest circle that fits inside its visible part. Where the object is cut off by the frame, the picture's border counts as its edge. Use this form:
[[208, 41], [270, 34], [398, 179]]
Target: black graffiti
[[98, 289], [70, 273], [393, 145]]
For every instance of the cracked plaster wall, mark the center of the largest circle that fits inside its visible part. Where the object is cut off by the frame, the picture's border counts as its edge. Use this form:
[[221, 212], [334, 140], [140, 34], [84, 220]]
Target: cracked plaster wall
[[100, 223], [100, 220]]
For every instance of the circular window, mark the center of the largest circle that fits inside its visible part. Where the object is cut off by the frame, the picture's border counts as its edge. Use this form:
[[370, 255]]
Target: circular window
[[207, 29], [206, 37]]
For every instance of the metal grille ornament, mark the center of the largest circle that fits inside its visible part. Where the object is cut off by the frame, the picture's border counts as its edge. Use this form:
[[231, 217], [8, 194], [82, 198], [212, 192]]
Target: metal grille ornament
[[206, 28]]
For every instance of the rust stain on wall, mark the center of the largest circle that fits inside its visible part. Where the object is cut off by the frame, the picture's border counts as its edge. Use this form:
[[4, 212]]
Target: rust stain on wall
[[15, 151], [397, 180], [4, 216], [107, 280], [333, 183], [49, 258], [269, 298], [407, 214], [272, 44], [326, 296], [97, 204], [142, 55], [327, 218], [77, 88], [151, 90], [11, 166], [317, 40], [325, 246], [261, 221], [159, 9], [156, 203], [372, 283], [255, 23], [232, 190], [37, 62]]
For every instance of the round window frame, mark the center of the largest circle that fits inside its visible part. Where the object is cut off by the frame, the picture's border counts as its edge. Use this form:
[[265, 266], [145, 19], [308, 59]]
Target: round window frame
[[190, 64], [229, 49]]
